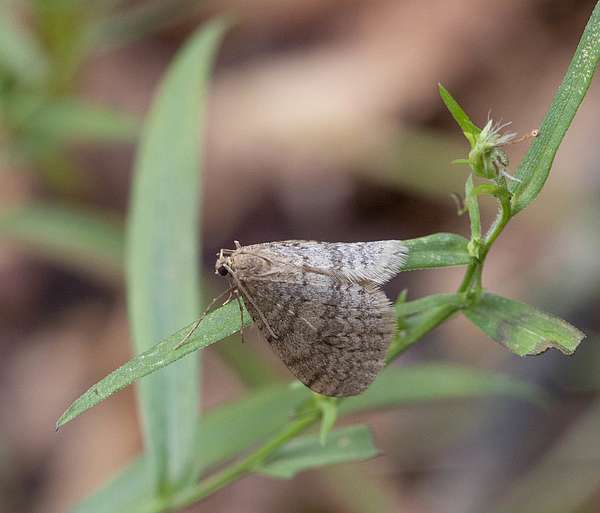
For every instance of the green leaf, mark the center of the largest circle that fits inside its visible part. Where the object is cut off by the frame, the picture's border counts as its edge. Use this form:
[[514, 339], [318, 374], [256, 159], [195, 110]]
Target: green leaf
[[232, 428], [306, 452], [163, 256], [437, 250], [20, 52], [83, 239], [470, 130], [397, 386], [535, 167], [214, 327], [522, 328], [224, 432], [66, 120]]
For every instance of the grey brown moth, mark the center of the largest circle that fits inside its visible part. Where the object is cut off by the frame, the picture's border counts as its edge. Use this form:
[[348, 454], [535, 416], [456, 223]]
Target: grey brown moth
[[320, 306]]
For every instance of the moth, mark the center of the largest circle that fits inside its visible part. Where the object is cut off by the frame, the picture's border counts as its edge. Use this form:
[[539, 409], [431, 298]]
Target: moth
[[320, 306]]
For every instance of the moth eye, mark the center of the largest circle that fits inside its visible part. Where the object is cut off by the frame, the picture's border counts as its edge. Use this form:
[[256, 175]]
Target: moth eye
[[222, 271]]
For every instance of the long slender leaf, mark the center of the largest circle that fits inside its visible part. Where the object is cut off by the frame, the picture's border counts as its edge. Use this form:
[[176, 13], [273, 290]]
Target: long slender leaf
[[224, 432], [535, 167], [163, 284], [307, 452], [214, 327], [397, 386], [233, 428]]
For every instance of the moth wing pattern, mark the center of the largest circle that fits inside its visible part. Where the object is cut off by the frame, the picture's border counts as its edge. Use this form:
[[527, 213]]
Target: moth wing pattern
[[333, 336], [361, 262]]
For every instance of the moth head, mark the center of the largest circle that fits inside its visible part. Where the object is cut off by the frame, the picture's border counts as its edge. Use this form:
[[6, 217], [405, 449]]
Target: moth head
[[242, 263], [223, 264]]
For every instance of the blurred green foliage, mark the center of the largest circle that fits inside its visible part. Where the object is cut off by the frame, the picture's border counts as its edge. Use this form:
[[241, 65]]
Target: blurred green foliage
[[42, 47]]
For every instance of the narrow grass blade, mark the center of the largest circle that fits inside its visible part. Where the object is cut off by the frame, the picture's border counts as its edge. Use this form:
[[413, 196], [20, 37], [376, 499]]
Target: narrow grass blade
[[306, 452], [535, 167], [523, 329], [163, 254], [437, 250]]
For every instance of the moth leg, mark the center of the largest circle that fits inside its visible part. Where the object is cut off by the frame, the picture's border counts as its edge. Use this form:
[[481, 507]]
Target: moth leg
[[194, 327], [229, 297], [246, 295], [239, 301]]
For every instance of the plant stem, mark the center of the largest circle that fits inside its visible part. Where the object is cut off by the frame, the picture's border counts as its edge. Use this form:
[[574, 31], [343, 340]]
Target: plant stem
[[245, 466], [466, 282], [502, 219], [475, 268], [401, 344]]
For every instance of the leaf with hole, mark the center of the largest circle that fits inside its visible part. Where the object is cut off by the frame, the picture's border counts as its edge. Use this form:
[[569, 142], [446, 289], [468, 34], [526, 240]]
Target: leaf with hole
[[522, 328]]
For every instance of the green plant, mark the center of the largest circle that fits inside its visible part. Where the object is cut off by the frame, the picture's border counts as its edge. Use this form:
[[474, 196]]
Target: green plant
[[181, 447], [41, 114]]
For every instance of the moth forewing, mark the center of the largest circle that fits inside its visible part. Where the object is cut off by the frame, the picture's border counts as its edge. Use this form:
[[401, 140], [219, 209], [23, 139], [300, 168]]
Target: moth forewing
[[319, 306]]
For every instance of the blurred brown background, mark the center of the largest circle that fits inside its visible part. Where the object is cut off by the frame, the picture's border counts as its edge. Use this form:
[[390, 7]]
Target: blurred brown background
[[324, 123]]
